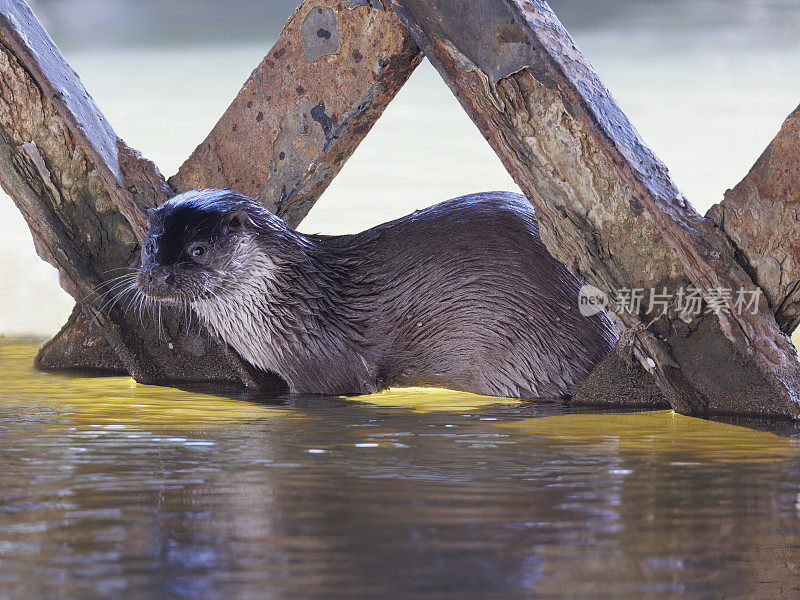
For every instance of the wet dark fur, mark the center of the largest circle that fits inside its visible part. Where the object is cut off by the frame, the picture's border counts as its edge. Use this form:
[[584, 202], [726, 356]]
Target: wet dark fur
[[461, 295]]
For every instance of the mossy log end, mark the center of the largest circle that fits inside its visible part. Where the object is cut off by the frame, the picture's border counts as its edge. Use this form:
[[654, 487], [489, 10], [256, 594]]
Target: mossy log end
[[619, 382]]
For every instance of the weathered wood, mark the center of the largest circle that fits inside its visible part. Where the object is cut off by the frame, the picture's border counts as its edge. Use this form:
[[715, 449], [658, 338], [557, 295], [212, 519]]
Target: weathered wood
[[306, 107], [607, 206], [84, 193], [761, 216], [82, 340]]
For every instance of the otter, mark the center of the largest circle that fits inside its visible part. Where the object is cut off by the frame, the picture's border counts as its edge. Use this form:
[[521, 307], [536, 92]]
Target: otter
[[462, 295]]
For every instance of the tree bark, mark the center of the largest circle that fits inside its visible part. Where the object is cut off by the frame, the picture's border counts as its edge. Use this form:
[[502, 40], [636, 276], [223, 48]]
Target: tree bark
[[761, 216], [84, 193], [606, 205]]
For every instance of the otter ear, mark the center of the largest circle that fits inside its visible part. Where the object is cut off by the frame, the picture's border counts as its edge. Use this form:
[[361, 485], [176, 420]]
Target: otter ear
[[238, 220]]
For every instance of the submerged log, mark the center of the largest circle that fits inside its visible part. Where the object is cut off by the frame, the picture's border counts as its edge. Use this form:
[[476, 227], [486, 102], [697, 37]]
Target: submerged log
[[761, 216], [84, 193], [607, 206]]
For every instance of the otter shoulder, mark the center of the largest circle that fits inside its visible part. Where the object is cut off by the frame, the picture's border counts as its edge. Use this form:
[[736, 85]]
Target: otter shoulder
[[483, 214], [490, 208], [496, 214], [482, 203]]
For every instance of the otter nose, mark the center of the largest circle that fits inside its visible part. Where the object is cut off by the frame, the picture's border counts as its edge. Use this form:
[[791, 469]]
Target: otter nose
[[161, 277]]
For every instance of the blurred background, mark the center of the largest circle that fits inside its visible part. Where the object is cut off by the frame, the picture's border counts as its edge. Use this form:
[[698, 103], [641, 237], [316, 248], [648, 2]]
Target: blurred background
[[707, 82]]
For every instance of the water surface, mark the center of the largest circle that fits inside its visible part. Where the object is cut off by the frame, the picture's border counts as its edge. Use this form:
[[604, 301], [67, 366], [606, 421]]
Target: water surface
[[109, 488]]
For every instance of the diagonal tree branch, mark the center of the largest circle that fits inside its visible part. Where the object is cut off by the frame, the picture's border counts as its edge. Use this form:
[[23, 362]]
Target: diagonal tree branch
[[306, 107], [607, 206], [761, 216]]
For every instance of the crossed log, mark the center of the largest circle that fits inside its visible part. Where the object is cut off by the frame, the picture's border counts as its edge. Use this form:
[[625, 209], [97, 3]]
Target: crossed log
[[607, 206]]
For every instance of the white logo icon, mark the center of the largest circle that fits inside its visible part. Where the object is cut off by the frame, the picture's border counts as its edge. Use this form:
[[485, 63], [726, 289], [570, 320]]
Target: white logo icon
[[592, 301]]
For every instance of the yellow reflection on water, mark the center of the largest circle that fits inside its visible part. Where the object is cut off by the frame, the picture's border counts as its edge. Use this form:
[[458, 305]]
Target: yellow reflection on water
[[426, 400], [67, 401], [663, 431], [109, 401]]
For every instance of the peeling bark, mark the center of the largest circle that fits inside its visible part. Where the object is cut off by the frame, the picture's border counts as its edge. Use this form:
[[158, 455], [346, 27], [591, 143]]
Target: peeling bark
[[84, 194], [761, 216], [306, 107], [607, 206]]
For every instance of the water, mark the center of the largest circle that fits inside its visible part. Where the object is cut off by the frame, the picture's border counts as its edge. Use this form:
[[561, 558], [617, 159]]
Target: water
[[113, 489]]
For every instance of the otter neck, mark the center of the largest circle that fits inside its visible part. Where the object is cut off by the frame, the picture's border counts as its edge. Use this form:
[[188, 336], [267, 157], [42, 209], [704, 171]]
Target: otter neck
[[274, 307]]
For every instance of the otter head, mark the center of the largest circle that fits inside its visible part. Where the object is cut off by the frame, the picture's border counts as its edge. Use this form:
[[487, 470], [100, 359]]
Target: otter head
[[194, 245]]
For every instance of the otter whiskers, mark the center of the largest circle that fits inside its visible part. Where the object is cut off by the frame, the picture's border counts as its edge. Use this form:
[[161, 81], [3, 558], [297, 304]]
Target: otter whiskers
[[122, 290]]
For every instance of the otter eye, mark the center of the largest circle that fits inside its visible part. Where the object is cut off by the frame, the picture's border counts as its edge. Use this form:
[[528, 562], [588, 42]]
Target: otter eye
[[198, 251]]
